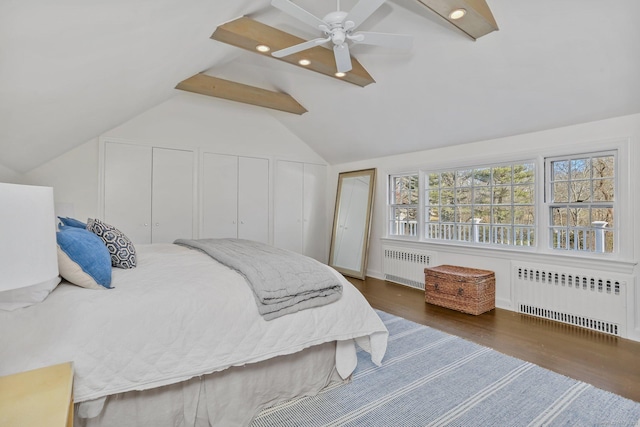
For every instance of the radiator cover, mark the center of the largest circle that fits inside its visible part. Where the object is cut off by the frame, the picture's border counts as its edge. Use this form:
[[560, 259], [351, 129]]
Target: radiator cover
[[587, 298], [406, 265]]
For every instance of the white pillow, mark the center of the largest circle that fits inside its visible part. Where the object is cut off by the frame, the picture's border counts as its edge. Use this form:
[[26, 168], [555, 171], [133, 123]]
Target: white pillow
[[23, 297]]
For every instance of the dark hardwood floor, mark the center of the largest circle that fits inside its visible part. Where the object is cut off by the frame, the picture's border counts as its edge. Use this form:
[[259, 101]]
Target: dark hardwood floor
[[606, 361]]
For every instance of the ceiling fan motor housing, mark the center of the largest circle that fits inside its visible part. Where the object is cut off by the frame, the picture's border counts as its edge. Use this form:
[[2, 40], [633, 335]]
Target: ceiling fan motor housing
[[337, 29]]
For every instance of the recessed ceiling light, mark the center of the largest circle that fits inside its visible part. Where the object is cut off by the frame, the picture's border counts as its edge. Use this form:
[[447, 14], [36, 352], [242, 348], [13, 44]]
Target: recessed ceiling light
[[338, 74], [304, 62], [263, 48], [457, 13]]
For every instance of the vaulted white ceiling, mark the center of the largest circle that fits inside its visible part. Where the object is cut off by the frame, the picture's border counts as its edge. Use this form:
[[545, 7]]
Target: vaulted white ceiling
[[73, 69]]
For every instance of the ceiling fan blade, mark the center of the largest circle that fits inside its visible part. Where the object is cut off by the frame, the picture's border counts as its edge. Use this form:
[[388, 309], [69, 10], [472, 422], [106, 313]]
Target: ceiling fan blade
[[362, 10], [299, 47], [396, 41], [297, 12], [343, 58]]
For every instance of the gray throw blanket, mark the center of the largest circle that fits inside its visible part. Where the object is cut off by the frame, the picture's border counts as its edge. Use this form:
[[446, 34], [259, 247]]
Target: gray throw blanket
[[282, 281]]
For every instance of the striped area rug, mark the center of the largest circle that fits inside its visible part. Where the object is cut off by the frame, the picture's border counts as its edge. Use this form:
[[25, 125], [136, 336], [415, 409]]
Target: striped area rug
[[430, 378]]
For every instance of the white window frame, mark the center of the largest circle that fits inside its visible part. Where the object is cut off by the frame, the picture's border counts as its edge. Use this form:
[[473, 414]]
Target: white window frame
[[392, 207], [625, 188], [491, 234], [583, 232]]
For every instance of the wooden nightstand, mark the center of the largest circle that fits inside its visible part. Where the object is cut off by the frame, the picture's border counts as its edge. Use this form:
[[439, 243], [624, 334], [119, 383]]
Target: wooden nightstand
[[42, 397]]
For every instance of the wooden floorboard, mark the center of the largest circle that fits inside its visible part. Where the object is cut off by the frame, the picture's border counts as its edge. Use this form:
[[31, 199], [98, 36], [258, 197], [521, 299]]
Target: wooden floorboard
[[608, 362]]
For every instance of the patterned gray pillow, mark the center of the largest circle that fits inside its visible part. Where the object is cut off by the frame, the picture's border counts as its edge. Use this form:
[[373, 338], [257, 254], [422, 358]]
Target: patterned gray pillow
[[121, 249]]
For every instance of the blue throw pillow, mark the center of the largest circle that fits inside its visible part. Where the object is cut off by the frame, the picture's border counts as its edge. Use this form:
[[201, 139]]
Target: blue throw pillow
[[83, 258], [72, 222]]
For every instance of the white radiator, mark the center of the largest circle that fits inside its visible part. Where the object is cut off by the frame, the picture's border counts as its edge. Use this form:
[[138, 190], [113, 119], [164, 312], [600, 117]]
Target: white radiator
[[405, 265], [587, 298]]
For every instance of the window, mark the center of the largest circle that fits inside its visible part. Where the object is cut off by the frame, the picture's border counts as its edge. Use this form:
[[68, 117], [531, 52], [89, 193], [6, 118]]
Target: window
[[492, 205], [572, 203], [582, 202], [403, 203]]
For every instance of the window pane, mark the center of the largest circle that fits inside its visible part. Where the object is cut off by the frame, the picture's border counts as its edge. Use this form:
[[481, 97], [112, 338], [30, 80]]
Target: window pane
[[463, 213], [523, 194], [432, 214], [463, 178], [580, 168], [502, 175], [482, 195], [482, 176], [560, 192], [433, 197], [560, 170], [603, 190], [603, 167], [447, 215], [447, 197], [404, 221], [483, 213], [447, 179], [502, 215], [559, 216], [580, 191], [523, 215], [502, 195], [603, 214], [579, 217], [524, 174], [463, 196], [477, 205], [413, 189]]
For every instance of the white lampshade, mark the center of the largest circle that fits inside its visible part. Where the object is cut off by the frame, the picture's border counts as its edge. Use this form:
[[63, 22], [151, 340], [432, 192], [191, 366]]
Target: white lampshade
[[28, 253]]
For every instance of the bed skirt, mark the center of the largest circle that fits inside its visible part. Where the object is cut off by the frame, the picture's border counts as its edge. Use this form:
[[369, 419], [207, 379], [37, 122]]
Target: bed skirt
[[232, 397]]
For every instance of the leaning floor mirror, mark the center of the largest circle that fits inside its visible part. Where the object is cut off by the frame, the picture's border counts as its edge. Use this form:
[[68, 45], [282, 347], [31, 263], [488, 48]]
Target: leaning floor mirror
[[352, 222]]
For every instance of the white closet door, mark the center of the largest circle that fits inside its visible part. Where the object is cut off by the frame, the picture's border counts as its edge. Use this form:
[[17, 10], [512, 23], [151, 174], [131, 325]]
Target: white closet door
[[315, 217], [253, 199], [127, 190], [288, 206], [172, 195], [220, 196]]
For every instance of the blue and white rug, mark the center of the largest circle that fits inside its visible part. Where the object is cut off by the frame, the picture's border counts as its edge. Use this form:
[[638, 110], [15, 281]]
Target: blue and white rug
[[430, 378]]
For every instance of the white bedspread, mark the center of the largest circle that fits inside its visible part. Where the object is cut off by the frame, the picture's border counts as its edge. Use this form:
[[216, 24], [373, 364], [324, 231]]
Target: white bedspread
[[179, 314]]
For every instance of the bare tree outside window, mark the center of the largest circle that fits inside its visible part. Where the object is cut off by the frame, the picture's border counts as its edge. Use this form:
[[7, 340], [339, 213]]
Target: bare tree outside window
[[582, 202], [404, 194]]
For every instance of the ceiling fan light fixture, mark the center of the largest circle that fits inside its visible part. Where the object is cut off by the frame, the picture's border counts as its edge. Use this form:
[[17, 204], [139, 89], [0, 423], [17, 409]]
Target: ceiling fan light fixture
[[304, 62], [457, 13], [263, 48]]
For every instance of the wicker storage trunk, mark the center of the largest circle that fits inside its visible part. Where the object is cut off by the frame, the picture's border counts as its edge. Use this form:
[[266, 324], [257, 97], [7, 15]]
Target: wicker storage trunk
[[460, 288]]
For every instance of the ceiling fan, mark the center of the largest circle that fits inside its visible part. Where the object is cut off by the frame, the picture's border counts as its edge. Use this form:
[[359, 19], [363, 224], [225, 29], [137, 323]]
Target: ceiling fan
[[339, 28]]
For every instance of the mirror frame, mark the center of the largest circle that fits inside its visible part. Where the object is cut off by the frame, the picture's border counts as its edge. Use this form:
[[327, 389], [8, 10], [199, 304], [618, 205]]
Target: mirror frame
[[361, 272]]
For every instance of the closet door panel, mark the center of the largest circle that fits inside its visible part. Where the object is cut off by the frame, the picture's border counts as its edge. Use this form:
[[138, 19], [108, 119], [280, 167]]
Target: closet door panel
[[220, 196], [288, 206], [253, 199], [172, 195], [315, 216], [127, 190]]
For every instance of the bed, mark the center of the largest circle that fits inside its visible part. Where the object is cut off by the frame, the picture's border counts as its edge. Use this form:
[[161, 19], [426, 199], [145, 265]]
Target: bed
[[179, 341]]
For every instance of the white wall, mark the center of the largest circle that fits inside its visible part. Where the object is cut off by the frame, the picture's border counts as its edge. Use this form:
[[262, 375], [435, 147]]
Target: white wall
[[74, 178], [10, 176], [185, 121], [584, 135], [196, 121]]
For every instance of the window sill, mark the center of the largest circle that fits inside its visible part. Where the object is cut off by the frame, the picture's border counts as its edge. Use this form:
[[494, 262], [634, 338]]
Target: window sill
[[524, 254]]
